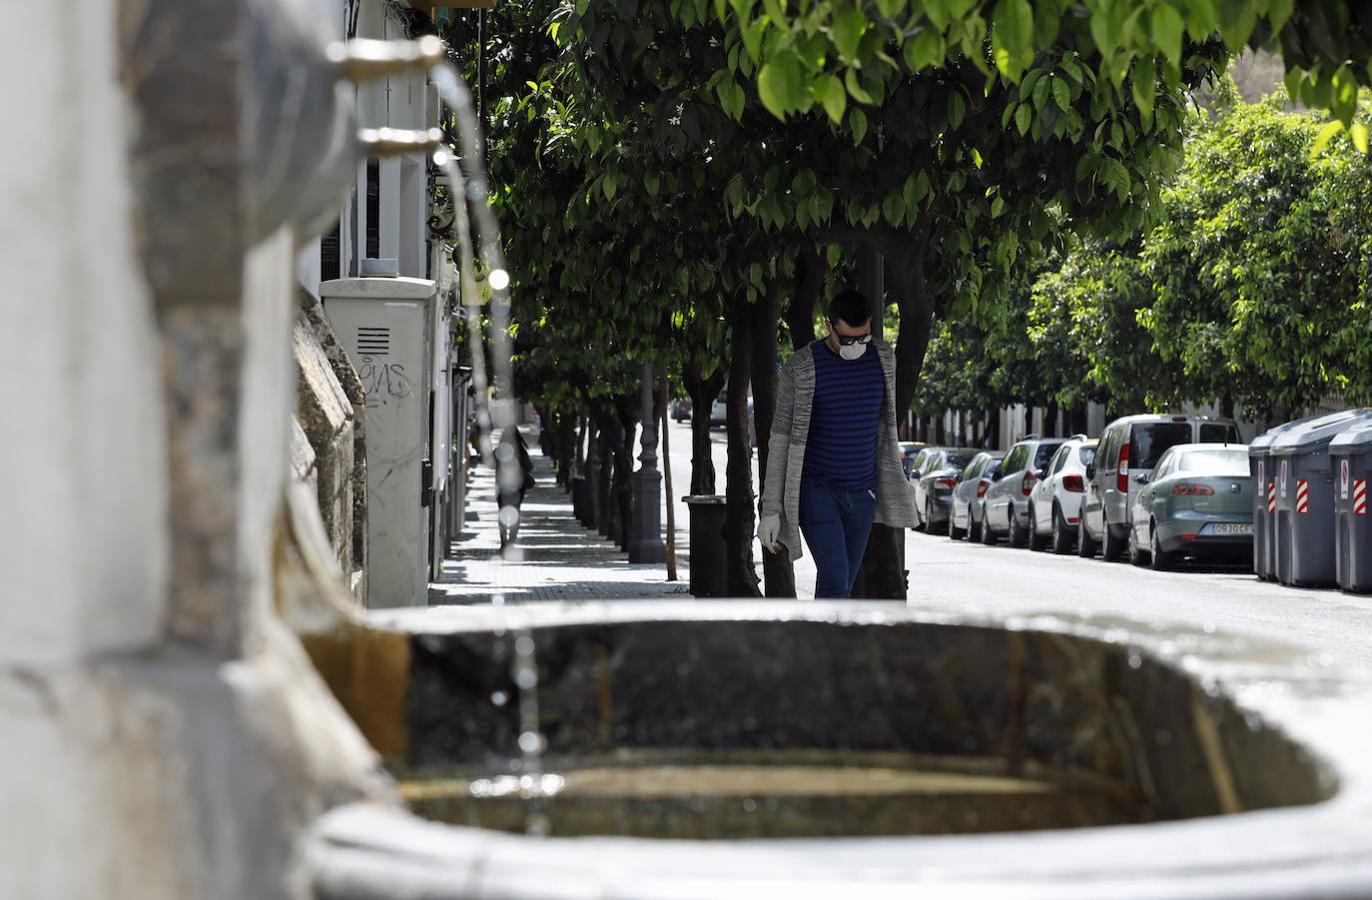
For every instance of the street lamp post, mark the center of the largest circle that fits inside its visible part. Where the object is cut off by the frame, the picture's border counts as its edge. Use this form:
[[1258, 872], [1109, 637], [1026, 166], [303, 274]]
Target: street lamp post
[[645, 545]]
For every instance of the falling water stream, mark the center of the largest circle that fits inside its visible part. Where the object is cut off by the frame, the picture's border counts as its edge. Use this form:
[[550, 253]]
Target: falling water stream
[[467, 180]]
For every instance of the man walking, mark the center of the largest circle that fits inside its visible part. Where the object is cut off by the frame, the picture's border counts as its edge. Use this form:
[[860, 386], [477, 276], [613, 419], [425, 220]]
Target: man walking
[[833, 463]]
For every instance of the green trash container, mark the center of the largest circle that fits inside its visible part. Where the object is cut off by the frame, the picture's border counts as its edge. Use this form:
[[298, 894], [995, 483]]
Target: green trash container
[[1350, 454], [709, 575]]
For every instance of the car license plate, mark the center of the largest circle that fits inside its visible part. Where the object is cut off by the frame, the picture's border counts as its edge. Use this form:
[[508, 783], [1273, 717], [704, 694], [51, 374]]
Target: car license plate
[[1230, 528]]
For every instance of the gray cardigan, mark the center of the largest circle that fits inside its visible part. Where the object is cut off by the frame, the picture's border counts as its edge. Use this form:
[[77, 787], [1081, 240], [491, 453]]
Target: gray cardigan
[[786, 450]]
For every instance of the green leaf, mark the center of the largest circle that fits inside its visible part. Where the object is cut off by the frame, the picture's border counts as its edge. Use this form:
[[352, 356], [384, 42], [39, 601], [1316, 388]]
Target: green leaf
[[891, 8], [1167, 30], [1062, 94], [779, 82], [1143, 84], [1024, 117], [1358, 132], [1325, 136], [893, 209], [653, 182], [828, 90], [1012, 31], [927, 49], [1041, 92], [846, 29], [921, 188], [957, 107], [1278, 11], [857, 124], [855, 87], [1237, 21], [752, 39], [607, 184], [833, 253], [997, 207]]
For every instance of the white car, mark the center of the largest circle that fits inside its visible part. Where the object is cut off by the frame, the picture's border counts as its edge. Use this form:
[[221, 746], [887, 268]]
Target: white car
[[1055, 502]]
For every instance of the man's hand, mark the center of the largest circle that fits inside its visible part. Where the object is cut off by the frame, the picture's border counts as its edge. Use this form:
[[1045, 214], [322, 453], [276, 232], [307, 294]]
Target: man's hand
[[768, 530]]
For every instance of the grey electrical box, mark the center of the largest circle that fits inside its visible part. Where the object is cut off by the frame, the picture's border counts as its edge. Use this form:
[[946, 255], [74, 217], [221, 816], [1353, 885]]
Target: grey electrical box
[[392, 330]]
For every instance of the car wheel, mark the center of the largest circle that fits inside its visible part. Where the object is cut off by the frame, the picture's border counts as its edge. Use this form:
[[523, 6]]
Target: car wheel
[[920, 524], [973, 527], [954, 532], [1135, 551], [1162, 560], [1018, 536], [1062, 538], [1035, 542], [988, 534], [1111, 548], [1086, 547]]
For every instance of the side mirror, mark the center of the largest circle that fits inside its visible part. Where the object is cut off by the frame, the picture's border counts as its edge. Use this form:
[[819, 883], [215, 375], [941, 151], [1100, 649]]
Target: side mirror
[[1142, 477], [1042, 473], [996, 477], [1091, 472]]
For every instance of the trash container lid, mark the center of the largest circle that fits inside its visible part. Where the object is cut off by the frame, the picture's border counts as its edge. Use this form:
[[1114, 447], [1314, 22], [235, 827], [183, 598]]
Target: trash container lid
[[1317, 433], [1352, 440], [1262, 444], [705, 499]]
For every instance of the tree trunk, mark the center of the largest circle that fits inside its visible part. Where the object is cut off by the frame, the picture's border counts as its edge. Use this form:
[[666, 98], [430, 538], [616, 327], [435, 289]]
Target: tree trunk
[[1227, 406], [738, 484], [1050, 419], [779, 574], [623, 483], [585, 426], [591, 471], [604, 510], [800, 312], [667, 480], [703, 392]]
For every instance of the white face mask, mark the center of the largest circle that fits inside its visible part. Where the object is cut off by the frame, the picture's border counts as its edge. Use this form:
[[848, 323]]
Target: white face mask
[[852, 351]]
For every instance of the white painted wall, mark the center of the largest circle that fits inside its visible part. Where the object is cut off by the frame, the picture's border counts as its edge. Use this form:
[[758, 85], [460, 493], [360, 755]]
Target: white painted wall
[[82, 471]]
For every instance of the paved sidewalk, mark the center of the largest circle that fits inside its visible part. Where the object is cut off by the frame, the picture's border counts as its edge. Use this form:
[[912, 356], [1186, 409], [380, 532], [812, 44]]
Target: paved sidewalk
[[562, 560]]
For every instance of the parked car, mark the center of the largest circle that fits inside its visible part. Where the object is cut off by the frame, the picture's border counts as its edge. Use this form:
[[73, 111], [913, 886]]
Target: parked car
[[1131, 446], [916, 462], [719, 410], [934, 482], [680, 409], [1055, 502], [908, 449], [1007, 500], [969, 497], [1197, 502]]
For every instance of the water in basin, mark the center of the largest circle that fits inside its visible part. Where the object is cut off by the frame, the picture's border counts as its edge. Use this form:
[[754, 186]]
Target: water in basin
[[735, 794]]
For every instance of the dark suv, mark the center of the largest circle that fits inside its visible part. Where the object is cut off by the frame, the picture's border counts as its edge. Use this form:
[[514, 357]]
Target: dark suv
[[1129, 448], [1007, 500]]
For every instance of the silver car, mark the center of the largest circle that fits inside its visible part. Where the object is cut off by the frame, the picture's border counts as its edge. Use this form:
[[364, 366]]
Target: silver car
[[1007, 500], [969, 497], [1130, 447], [1055, 502], [934, 482]]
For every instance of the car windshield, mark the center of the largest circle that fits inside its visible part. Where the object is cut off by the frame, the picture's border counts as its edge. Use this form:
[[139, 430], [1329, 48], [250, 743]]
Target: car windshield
[[1149, 442], [1224, 461], [958, 459]]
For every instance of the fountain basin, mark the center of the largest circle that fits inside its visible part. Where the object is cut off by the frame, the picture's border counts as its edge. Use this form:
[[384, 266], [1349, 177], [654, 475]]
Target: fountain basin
[[1053, 756]]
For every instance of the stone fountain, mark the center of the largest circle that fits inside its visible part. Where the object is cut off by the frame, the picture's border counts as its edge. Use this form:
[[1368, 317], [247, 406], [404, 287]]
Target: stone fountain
[[169, 735]]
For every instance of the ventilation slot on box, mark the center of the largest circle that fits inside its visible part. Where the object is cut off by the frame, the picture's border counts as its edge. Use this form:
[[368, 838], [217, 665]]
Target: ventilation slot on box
[[373, 341]]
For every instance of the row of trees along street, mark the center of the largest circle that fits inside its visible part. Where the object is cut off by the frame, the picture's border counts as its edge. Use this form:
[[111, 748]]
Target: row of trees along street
[[685, 181]]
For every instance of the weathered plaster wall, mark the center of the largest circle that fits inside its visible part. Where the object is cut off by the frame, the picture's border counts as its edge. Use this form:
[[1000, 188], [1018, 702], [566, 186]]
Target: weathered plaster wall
[[82, 488]]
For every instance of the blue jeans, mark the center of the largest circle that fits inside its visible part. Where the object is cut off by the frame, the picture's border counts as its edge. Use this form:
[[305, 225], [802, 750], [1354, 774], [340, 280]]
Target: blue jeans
[[835, 523]]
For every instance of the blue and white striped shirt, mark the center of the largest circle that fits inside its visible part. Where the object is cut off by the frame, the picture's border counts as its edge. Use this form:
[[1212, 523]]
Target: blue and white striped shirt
[[841, 449]]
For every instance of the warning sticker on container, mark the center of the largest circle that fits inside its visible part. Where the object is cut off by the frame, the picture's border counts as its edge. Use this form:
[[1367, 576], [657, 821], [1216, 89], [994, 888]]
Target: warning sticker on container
[[1272, 497], [1360, 497], [1282, 479], [1302, 496], [1343, 479]]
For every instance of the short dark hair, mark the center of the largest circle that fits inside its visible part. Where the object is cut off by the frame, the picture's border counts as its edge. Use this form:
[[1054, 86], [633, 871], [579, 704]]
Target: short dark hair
[[851, 308]]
